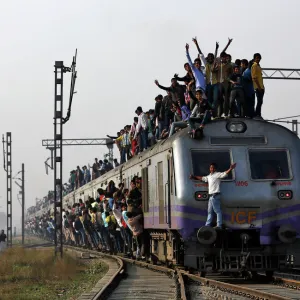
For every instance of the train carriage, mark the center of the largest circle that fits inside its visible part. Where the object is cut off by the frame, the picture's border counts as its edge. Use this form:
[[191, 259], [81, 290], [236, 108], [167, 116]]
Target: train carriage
[[260, 198]]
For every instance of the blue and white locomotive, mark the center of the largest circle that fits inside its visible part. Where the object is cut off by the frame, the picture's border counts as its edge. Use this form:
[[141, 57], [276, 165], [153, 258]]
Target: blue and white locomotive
[[260, 198]]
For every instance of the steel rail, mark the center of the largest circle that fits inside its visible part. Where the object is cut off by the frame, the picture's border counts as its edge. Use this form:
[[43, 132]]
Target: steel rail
[[234, 289]]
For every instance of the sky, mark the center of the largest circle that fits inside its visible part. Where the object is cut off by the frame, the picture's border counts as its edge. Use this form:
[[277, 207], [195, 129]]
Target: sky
[[123, 46]]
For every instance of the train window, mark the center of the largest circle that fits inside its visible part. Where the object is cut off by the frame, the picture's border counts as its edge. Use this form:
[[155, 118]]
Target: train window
[[269, 164], [202, 159]]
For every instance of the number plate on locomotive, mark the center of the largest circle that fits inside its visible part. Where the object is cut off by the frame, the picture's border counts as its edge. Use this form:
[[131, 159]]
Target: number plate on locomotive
[[243, 217]]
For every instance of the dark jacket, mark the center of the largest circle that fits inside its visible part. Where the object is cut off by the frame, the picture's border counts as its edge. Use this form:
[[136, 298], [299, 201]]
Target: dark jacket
[[177, 92]]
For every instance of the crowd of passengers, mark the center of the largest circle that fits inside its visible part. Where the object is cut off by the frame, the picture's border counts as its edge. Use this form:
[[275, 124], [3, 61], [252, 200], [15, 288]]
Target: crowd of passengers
[[82, 176], [214, 87], [113, 222]]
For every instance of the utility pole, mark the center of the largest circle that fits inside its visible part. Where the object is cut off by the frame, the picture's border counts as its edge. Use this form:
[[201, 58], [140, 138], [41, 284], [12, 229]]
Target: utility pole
[[59, 121], [23, 204], [58, 159], [22, 192], [7, 165]]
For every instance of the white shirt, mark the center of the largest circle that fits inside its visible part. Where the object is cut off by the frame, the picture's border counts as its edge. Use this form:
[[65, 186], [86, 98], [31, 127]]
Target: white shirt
[[142, 122], [214, 181]]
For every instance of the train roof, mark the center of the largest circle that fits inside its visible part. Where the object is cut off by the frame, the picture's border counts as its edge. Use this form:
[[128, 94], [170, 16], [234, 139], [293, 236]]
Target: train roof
[[166, 144]]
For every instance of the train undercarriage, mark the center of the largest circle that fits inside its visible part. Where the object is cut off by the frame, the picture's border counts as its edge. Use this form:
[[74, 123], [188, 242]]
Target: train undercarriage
[[238, 255]]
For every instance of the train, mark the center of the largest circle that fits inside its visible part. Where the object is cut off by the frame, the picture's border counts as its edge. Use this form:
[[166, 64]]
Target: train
[[260, 198]]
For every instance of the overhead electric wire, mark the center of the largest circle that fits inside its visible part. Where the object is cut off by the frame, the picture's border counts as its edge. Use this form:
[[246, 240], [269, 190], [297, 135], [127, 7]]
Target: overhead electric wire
[[286, 118]]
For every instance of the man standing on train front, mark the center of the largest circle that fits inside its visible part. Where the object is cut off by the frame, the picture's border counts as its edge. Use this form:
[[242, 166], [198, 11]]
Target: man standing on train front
[[214, 202]]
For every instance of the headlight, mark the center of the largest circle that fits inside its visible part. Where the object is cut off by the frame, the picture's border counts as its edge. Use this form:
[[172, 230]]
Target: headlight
[[285, 195], [201, 196], [236, 127]]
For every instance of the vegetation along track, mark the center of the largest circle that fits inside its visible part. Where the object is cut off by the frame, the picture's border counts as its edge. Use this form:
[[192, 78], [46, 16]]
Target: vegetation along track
[[131, 279]]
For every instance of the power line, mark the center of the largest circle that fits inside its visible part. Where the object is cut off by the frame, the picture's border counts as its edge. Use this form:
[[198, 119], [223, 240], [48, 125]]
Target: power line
[[287, 117], [286, 122]]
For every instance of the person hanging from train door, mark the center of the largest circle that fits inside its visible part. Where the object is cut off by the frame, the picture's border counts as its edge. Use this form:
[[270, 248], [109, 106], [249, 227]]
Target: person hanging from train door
[[214, 202]]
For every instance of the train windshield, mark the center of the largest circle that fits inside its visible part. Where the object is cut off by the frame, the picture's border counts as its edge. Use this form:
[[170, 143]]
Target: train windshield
[[202, 159], [269, 164]]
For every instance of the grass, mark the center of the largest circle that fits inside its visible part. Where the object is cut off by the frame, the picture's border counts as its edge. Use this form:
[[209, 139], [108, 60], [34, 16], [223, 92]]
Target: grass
[[28, 240], [35, 274]]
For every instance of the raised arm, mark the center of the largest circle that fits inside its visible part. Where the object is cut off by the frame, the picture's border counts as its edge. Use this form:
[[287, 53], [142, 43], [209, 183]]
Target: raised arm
[[188, 56], [180, 78], [201, 55], [226, 47], [162, 87], [216, 50], [112, 137], [231, 168], [196, 177], [197, 45]]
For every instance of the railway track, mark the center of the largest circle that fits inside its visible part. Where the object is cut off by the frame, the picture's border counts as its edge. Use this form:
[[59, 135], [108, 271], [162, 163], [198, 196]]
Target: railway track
[[131, 279], [140, 280]]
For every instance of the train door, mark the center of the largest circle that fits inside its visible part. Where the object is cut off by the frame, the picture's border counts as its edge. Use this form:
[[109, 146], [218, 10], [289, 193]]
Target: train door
[[145, 190], [161, 194], [164, 174], [168, 187]]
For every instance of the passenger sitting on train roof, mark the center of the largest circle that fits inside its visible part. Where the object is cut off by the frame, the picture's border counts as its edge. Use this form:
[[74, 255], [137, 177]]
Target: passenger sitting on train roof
[[214, 202], [237, 95], [177, 112], [185, 111], [201, 112], [179, 121]]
